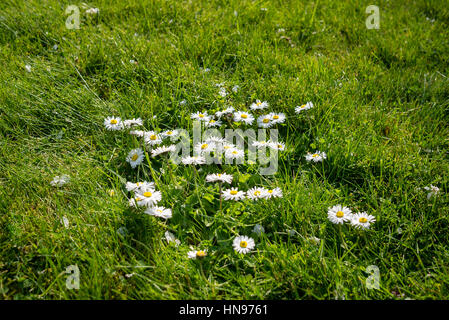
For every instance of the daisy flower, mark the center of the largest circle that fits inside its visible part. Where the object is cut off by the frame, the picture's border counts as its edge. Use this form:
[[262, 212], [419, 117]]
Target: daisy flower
[[148, 196], [265, 121], [221, 177], [113, 123], [196, 254], [362, 220], [277, 117], [213, 123], [235, 88], [242, 116], [274, 193], [169, 133], [152, 138], [260, 144], [229, 110], [202, 116], [160, 212], [276, 145], [138, 133], [215, 140], [204, 147], [339, 214], [162, 150], [258, 105], [306, 106], [59, 181], [433, 191], [193, 160], [93, 11], [135, 202], [228, 146], [136, 186], [234, 153], [315, 157], [256, 193], [243, 244], [135, 157], [233, 194], [132, 122]]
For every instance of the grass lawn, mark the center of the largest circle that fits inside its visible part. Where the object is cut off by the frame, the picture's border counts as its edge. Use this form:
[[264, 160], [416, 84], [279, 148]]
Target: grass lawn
[[380, 113]]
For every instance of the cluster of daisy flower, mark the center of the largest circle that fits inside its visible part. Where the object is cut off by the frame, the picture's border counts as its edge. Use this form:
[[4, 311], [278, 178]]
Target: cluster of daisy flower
[[339, 215], [254, 193], [146, 195], [213, 146], [263, 121]]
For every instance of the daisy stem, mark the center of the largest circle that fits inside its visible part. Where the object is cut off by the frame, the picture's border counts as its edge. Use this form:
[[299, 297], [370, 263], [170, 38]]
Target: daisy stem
[[197, 175], [221, 199], [341, 237], [153, 174], [170, 170]]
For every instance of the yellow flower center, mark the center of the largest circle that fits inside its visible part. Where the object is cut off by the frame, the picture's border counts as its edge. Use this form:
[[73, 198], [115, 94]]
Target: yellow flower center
[[303, 106], [340, 214], [134, 157], [244, 116], [212, 121], [279, 146], [169, 132], [113, 121], [153, 137], [204, 146], [363, 220], [266, 120], [259, 103], [201, 115], [315, 155], [270, 191], [233, 192], [275, 117], [138, 199], [257, 193], [243, 244], [227, 147], [234, 152], [219, 174], [148, 194], [201, 253]]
